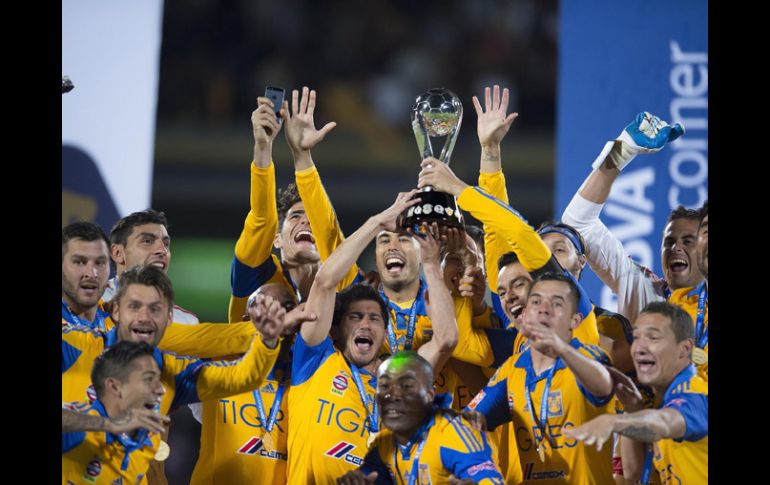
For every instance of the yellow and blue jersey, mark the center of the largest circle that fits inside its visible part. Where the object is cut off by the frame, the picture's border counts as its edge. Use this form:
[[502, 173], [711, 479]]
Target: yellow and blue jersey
[[448, 446], [569, 405], [233, 444], [102, 320], [253, 262], [687, 299], [329, 424], [98, 457], [186, 379], [513, 233], [686, 459]]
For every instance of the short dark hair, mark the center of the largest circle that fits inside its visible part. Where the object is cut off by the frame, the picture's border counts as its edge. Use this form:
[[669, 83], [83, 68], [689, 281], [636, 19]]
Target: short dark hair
[[87, 231], [123, 228], [477, 234], [704, 211], [147, 275], [574, 290], [566, 230], [286, 199], [683, 212], [354, 293], [506, 259], [681, 321], [117, 362], [412, 356]]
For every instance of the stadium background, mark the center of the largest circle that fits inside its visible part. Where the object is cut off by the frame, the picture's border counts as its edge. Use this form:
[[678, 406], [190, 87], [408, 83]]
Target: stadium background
[[367, 64]]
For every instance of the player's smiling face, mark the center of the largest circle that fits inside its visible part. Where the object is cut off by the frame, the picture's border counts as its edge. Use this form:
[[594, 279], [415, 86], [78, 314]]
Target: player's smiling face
[[513, 284], [453, 264], [703, 247], [678, 254], [404, 395], [295, 239], [398, 259], [565, 252], [362, 332], [147, 244], [85, 268], [143, 388], [657, 356], [142, 314]]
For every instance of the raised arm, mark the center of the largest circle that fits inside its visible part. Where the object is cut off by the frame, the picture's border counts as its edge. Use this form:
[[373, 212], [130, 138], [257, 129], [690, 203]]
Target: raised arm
[[322, 293], [590, 373], [439, 303], [302, 137], [132, 419], [255, 243]]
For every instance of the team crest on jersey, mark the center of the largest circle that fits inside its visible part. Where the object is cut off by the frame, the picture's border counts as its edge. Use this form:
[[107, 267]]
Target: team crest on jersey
[[339, 384], [91, 393], [93, 470], [427, 334], [555, 408], [251, 447], [424, 474]]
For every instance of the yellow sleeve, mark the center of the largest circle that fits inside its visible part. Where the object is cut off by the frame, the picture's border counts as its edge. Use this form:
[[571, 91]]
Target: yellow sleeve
[[509, 225], [487, 319], [208, 340], [221, 379], [323, 220], [256, 240], [494, 247], [473, 345]]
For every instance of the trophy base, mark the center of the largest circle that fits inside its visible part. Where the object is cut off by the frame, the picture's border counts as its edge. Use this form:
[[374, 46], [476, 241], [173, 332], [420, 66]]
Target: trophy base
[[438, 207]]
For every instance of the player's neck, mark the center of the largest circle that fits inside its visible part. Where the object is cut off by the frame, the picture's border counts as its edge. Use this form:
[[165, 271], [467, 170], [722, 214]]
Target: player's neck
[[402, 294], [88, 313], [541, 362], [660, 389], [302, 274]]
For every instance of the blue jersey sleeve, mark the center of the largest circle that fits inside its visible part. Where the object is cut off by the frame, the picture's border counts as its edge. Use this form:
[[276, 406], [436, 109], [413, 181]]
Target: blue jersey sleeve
[[695, 410], [501, 342], [492, 402], [373, 463], [306, 360], [476, 463], [244, 280], [69, 355], [186, 389], [70, 441]]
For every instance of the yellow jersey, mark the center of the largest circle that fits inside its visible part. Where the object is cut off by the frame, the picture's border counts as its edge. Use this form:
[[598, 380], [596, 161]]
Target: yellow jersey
[[689, 300]]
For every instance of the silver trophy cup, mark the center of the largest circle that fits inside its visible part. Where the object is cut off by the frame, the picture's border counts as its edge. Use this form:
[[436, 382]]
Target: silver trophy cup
[[436, 113]]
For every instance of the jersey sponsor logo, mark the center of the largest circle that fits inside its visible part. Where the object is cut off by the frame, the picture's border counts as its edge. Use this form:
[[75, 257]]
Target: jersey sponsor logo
[[93, 470], [269, 388], [236, 413], [486, 466], [339, 384], [555, 407], [510, 401], [251, 447], [531, 474], [341, 451]]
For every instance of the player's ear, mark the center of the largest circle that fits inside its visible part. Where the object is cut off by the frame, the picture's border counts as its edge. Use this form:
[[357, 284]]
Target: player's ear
[[685, 348], [113, 386], [575, 320], [277, 241], [118, 253]]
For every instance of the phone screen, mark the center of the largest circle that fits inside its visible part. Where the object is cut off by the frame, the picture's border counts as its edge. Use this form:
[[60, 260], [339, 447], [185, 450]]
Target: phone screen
[[276, 96]]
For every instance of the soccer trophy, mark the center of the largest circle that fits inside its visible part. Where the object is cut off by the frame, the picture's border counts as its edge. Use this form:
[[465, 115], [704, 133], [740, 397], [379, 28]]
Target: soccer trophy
[[436, 113]]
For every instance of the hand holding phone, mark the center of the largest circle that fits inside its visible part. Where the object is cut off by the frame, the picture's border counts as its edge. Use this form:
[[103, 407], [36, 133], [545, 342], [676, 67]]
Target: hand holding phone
[[275, 95]]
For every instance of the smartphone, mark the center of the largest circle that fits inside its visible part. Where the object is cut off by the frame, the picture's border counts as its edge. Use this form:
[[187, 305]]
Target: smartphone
[[276, 96]]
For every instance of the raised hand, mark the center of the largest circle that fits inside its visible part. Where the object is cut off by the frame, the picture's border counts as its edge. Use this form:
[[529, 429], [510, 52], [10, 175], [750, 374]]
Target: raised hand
[[439, 176], [134, 419], [544, 339], [267, 315], [493, 124], [301, 134], [387, 218], [597, 431], [265, 125]]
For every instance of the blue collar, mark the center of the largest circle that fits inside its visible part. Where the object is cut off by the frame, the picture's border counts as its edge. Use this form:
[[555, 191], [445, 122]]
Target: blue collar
[[687, 373], [419, 301], [525, 359], [696, 291]]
